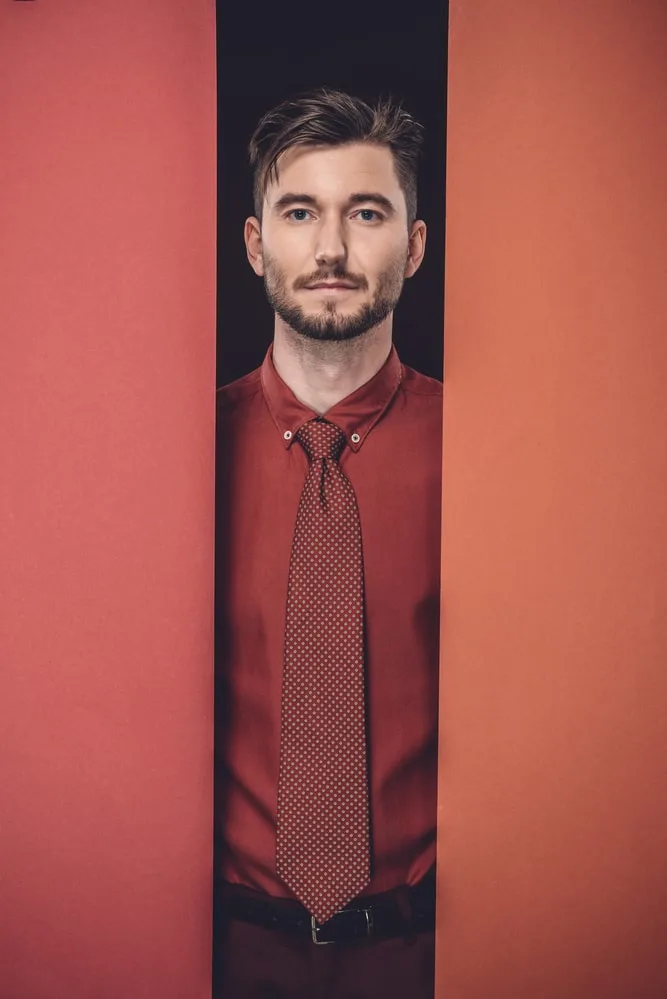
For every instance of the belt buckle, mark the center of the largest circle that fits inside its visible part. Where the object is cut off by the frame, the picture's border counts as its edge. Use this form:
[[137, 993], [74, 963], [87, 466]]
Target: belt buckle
[[315, 929]]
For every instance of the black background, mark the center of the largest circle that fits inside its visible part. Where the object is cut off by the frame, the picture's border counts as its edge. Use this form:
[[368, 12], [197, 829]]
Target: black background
[[275, 51]]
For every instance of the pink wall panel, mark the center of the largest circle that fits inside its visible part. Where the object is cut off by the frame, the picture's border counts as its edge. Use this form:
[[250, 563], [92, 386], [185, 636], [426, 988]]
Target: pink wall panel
[[107, 340], [553, 782]]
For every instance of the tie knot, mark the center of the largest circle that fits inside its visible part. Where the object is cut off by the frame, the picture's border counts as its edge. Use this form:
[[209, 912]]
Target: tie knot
[[320, 439]]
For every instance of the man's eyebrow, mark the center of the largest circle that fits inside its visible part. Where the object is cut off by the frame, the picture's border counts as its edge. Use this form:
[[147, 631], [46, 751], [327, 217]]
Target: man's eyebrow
[[291, 198], [378, 199], [361, 198]]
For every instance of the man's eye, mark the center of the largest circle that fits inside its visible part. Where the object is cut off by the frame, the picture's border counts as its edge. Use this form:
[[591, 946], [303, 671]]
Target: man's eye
[[369, 215], [298, 214]]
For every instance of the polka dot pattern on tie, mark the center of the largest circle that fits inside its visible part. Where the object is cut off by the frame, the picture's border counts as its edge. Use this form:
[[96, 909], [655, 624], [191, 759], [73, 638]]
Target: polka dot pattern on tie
[[323, 837]]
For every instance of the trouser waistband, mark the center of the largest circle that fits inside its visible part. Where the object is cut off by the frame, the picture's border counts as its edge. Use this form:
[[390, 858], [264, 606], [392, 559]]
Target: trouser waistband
[[402, 911]]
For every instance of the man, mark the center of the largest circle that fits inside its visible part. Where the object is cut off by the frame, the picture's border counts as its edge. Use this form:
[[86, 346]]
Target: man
[[328, 579]]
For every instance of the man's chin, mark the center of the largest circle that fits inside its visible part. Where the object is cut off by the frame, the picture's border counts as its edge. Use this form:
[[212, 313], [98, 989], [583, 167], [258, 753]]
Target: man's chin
[[329, 334], [327, 328]]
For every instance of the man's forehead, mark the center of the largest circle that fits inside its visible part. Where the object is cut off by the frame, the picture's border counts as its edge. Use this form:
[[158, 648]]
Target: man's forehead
[[334, 168]]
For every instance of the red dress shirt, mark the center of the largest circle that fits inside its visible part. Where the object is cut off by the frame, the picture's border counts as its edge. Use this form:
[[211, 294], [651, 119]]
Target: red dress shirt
[[395, 467]]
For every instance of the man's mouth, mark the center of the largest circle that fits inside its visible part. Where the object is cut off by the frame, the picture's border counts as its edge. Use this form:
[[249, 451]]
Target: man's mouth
[[331, 286]]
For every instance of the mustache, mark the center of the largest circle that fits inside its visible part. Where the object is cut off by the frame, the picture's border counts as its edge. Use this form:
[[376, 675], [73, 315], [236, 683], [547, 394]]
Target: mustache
[[337, 273]]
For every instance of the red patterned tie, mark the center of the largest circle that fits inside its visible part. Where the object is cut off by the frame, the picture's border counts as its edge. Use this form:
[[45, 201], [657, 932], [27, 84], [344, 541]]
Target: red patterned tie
[[323, 847]]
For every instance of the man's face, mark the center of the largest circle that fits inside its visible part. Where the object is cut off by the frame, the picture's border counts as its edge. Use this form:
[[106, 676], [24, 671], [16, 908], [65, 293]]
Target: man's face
[[334, 240]]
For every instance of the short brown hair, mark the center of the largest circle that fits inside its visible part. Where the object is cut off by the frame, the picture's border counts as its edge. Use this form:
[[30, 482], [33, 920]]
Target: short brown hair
[[333, 118]]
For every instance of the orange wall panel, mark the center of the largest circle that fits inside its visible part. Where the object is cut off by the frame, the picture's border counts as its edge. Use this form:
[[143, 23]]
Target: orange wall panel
[[107, 367], [553, 777]]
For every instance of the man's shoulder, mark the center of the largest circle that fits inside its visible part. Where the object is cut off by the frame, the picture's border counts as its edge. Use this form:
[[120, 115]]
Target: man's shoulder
[[239, 394], [416, 383]]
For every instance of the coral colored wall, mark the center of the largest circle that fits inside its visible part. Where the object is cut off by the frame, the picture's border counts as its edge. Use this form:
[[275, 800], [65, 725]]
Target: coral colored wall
[[107, 316], [553, 783]]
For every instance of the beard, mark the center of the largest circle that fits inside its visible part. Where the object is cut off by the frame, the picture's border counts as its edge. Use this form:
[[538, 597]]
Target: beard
[[329, 325]]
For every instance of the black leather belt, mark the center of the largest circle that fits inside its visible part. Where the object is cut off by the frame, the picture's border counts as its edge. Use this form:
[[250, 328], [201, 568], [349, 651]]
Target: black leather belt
[[401, 912]]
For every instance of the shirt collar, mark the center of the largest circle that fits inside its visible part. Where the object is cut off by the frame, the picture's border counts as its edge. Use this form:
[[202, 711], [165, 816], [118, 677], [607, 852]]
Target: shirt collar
[[356, 414]]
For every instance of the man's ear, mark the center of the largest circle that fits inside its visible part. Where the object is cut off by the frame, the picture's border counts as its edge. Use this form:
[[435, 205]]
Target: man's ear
[[416, 247], [252, 233]]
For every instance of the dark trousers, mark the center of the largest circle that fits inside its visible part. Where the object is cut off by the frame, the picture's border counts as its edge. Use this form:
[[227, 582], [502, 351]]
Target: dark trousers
[[252, 962]]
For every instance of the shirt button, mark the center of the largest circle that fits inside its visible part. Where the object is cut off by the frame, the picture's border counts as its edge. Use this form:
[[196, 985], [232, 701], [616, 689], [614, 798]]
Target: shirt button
[[355, 438], [288, 435]]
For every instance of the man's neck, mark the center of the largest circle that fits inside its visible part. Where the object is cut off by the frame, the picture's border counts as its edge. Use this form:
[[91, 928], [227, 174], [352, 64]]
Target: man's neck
[[319, 373]]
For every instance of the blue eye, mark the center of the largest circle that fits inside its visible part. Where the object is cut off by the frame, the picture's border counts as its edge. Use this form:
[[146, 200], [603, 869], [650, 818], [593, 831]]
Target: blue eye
[[298, 214], [368, 214]]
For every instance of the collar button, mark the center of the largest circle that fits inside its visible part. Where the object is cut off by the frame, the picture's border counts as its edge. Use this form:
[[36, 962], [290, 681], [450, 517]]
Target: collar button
[[288, 435], [355, 438]]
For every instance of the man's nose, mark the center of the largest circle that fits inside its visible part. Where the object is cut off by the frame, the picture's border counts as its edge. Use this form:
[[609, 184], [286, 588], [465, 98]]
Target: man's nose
[[331, 244]]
